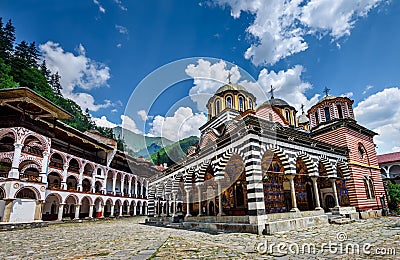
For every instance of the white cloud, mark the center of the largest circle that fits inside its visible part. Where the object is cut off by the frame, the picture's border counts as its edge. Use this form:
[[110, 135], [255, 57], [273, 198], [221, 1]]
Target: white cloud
[[119, 45], [77, 71], [120, 5], [368, 87], [279, 27], [143, 115], [183, 123], [288, 84], [121, 29], [103, 122], [208, 78], [101, 8], [129, 124], [380, 113]]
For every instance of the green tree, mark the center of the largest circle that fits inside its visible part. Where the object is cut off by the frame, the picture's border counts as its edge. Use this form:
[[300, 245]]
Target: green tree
[[45, 71], [6, 80], [7, 38], [55, 84], [394, 196]]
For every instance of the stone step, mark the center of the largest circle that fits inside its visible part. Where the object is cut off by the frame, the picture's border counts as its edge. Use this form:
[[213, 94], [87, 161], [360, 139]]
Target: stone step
[[341, 221]]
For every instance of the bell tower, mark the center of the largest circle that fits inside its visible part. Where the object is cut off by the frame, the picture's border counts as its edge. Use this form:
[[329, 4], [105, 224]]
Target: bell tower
[[332, 121]]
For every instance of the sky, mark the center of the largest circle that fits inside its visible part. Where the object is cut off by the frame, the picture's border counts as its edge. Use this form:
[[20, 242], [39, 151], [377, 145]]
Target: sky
[[151, 65]]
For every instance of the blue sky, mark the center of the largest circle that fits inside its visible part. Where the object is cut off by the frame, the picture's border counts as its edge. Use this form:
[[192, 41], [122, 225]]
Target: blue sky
[[104, 49]]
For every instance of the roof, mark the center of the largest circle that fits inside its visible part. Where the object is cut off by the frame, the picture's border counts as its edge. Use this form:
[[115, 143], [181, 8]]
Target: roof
[[389, 157], [277, 102], [325, 98], [303, 119], [29, 102], [231, 86]]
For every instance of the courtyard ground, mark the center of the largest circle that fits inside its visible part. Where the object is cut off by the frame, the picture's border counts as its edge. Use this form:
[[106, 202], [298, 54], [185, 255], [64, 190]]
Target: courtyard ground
[[126, 239]]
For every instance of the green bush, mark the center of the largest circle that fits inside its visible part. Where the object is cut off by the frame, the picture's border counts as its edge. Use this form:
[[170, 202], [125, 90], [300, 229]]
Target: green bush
[[394, 196]]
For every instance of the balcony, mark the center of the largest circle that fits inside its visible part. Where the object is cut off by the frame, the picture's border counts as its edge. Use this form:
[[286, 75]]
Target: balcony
[[30, 178], [6, 148], [33, 150], [56, 165]]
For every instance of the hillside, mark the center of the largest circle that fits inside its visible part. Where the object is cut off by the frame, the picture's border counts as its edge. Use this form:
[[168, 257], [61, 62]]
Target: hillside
[[140, 145], [174, 152]]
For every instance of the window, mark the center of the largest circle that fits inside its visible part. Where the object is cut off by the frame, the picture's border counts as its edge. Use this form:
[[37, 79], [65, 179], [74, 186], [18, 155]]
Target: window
[[287, 115], [217, 106], [339, 109], [327, 114], [371, 188], [241, 103], [316, 118], [250, 104], [361, 151], [228, 102], [366, 186], [270, 117]]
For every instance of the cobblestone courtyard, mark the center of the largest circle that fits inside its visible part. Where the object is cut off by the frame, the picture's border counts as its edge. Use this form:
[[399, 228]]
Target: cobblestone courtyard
[[126, 239]]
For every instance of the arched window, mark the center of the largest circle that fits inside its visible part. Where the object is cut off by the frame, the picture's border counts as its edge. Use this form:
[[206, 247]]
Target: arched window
[[241, 103], [340, 112], [316, 118], [217, 106], [228, 102], [270, 117], [371, 188], [250, 103], [327, 114], [361, 152], [366, 186], [287, 115]]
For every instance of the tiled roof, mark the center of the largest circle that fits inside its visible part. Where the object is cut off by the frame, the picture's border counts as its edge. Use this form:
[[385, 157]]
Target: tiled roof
[[389, 157]]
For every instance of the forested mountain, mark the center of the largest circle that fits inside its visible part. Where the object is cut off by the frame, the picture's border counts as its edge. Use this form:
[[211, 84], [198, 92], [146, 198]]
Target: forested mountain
[[174, 152]]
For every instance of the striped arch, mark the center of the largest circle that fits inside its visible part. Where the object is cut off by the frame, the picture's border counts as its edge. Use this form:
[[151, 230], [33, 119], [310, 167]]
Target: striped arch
[[176, 181], [99, 199], [88, 198], [30, 158], [3, 191], [4, 157], [30, 165], [62, 155], [202, 170], [168, 186], [281, 156], [6, 131], [344, 167], [311, 168], [76, 159], [36, 191], [159, 190], [208, 138], [327, 165], [189, 175], [72, 196], [45, 143], [221, 164], [56, 195]]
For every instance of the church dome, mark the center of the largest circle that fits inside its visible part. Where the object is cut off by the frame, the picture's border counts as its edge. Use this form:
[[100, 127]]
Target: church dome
[[303, 119], [231, 87], [326, 98], [277, 102]]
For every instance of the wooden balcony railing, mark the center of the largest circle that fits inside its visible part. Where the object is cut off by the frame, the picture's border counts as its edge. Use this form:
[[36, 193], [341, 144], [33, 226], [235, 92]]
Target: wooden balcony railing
[[33, 150], [6, 148], [30, 178]]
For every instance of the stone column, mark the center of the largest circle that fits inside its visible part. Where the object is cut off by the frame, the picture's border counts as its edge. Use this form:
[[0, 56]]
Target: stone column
[[38, 210], [91, 210], [141, 210], [14, 173], [136, 191], [134, 209], [293, 193], [122, 186], [60, 211], [220, 211], [114, 184], [199, 194], [102, 207], [188, 202], [64, 177], [141, 190], [167, 209], [333, 181], [129, 188], [77, 208], [80, 180], [174, 198], [120, 209], [112, 210], [7, 210], [316, 193], [45, 164]]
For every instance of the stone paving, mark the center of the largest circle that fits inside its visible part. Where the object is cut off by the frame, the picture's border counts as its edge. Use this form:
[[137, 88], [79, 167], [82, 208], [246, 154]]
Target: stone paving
[[126, 239]]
